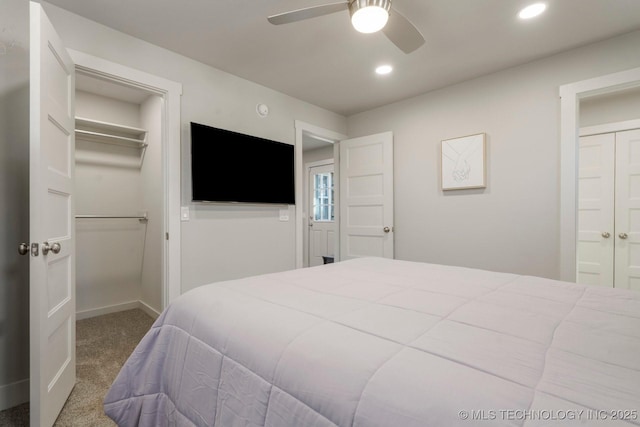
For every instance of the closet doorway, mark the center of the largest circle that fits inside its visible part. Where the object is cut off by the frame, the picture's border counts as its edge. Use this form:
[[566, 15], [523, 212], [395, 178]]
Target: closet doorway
[[572, 97], [157, 103], [119, 198], [609, 205]]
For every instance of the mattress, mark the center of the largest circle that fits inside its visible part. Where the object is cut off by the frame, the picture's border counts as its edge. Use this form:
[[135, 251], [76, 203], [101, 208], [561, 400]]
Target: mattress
[[378, 342]]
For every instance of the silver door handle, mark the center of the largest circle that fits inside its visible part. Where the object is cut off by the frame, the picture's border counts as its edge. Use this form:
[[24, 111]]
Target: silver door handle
[[623, 235], [23, 248], [386, 229], [55, 248], [606, 234]]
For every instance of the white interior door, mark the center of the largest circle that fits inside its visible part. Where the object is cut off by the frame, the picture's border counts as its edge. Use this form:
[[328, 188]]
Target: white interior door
[[366, 196], [627, 217], [52, 264], [321, 213], [596, 189]]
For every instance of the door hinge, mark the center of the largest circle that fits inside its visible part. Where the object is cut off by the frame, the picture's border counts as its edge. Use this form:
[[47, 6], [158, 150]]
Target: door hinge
[[167, 235]]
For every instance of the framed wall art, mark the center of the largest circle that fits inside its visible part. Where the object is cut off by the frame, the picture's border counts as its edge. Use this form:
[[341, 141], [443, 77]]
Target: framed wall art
[[463, 162]]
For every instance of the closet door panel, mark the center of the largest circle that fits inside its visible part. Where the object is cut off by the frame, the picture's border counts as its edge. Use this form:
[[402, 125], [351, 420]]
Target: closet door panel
[[51, 209], [627, 255], [596, 189]]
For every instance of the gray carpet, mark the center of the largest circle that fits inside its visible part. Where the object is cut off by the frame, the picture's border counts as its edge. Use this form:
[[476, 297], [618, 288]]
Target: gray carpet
[[103, 344]]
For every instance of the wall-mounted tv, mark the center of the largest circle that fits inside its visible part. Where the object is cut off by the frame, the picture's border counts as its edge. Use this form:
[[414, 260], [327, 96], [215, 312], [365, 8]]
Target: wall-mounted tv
[[228, 166]]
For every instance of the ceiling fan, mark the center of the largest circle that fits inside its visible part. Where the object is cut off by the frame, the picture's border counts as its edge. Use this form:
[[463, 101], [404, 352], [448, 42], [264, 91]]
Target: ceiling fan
[[367, 16]]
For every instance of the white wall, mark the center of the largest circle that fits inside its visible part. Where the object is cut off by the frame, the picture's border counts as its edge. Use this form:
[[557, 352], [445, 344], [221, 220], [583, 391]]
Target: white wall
[[318, 154], [152, 188], [513, 224], [97, 107], [219, 242], [610, 108], [14, 203]]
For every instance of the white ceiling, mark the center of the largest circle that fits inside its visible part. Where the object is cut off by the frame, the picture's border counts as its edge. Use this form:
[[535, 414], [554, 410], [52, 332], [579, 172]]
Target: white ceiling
[[324, 61]]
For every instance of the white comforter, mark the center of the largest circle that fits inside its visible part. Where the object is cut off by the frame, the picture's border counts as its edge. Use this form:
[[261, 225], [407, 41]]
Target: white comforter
[[376, 342]]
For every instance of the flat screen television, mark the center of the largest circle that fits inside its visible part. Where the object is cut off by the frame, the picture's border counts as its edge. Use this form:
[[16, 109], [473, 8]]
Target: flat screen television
[[228, 166]]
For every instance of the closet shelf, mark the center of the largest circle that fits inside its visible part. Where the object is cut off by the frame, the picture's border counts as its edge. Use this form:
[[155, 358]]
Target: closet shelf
[[110, 133], [109, 139]]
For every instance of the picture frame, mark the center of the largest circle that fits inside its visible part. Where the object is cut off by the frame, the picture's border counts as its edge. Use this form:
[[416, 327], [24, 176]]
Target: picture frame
[[463, 162]]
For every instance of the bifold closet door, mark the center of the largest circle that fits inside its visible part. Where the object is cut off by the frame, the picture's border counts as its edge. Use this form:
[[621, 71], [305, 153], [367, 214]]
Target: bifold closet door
[[627, 207], [596, 190]]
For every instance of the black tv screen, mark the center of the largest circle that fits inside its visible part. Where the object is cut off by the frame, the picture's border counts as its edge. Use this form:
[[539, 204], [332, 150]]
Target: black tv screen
[[228, 166]]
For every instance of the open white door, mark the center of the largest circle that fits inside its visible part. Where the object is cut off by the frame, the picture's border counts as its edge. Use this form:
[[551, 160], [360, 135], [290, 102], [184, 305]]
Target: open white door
[[52, 229], [366, 196]]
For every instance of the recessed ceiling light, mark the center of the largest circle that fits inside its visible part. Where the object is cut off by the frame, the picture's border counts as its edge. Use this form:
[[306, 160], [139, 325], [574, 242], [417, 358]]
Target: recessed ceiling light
[[532, 10], [384, 69]]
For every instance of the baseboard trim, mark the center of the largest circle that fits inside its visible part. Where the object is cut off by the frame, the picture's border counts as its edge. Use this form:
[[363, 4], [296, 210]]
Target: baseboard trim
[[86, 314], [14, 394], [149, 310]]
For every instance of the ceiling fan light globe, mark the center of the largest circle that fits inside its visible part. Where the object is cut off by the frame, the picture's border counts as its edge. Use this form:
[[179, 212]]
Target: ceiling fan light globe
[[369, 19], [369, 16]]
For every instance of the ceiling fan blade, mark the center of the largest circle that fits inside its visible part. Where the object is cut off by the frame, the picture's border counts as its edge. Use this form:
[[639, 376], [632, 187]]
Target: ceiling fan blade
[[308, 12], [402, 32]]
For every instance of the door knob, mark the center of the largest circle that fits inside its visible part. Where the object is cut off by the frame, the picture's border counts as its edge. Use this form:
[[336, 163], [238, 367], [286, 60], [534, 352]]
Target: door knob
[[55, 248], [386, 229], [605, 234], [23, 248], [623, 235]]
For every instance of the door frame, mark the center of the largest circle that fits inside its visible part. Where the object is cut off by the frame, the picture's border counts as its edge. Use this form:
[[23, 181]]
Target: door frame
[[307, 204], [302, 129], [571, 95], [170, 92], [610, 127]]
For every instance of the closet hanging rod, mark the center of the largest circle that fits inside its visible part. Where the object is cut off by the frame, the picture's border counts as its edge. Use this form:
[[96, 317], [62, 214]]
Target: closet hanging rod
[[140, 217]]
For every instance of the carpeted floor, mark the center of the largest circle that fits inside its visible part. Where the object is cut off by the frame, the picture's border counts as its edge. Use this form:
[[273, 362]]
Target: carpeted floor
[[103, 344]]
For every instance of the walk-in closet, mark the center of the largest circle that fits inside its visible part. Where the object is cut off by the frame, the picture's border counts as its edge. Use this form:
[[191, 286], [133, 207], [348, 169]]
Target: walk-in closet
[[119, 201]]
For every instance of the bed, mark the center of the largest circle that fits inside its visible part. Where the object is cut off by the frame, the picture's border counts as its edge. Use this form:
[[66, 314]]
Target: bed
[[378, 342]]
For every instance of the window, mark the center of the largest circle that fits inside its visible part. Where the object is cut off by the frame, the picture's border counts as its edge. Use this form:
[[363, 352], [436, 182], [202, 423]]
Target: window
[[323, 197]]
